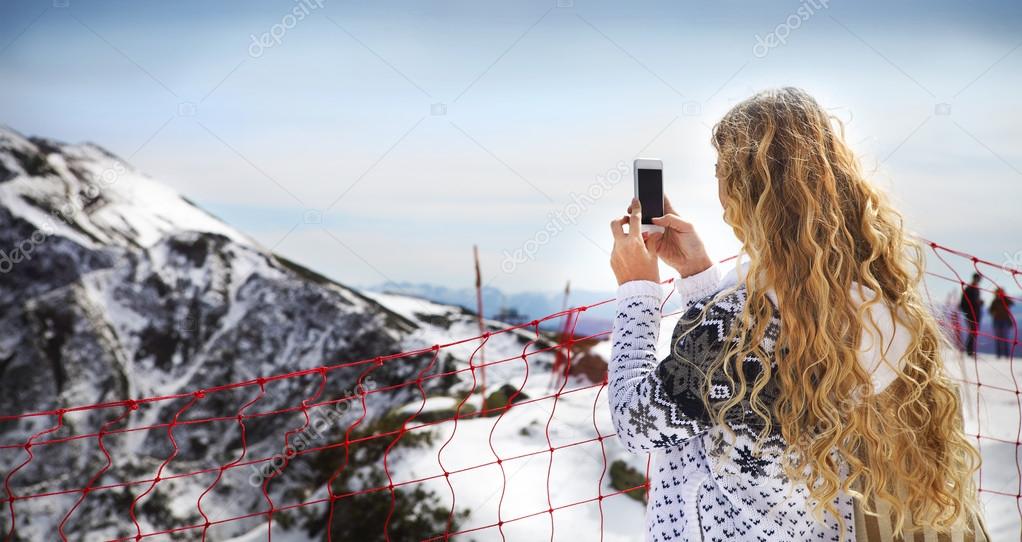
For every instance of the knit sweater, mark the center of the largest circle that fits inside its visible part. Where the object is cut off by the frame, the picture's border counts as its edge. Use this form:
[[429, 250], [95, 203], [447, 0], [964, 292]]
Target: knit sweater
[[705, 484]]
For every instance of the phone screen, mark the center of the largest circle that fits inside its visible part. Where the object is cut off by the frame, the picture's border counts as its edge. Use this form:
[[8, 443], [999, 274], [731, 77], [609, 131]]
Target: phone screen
[[651, 194]]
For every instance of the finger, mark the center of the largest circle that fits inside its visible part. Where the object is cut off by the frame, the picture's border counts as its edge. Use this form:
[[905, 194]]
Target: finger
[[673, 222], [634, 217], [616, 229], [624, 222]]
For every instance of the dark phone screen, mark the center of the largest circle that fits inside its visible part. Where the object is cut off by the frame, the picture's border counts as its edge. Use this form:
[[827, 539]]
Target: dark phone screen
[[651, 194]]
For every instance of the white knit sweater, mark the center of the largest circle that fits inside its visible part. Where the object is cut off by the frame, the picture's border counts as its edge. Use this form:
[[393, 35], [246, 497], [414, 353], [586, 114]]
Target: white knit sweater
[[706, 485]]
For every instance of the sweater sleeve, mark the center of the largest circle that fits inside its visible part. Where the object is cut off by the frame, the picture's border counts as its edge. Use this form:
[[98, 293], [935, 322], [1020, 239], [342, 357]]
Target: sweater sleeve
[[698, 286], [658, 404]]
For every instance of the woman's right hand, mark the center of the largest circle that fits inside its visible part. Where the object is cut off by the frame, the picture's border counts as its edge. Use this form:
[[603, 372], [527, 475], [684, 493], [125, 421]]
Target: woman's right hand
[[679, 246]]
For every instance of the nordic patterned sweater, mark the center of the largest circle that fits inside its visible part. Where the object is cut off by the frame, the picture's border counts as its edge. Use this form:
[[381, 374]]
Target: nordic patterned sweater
[[705, 485]]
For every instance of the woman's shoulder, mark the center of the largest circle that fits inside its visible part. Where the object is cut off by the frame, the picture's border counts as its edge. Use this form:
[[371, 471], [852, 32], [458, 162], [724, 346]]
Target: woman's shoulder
[[710, 319], [726, 304]]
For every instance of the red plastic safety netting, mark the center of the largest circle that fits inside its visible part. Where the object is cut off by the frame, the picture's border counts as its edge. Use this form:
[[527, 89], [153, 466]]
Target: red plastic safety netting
[[428, 452]]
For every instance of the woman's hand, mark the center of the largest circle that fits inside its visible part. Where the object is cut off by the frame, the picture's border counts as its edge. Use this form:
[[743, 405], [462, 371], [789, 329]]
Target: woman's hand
[[632, 257], [679, 245]]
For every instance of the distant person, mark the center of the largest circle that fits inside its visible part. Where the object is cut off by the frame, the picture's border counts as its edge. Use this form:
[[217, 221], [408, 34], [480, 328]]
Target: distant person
[[1000, 311], [807, 378], [972, 305]]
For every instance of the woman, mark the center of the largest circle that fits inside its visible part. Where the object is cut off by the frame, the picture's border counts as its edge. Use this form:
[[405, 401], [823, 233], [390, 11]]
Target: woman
[[811, 376], [1000, 310]]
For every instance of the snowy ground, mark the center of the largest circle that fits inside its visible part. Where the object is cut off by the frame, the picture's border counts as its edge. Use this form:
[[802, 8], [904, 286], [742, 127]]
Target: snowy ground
[[997, 417], [573, 474], [575, 471]]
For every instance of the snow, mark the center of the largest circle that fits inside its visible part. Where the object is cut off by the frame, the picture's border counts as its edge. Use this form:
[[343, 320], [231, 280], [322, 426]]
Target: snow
[[575, 471], [280, 534], [500, 346], [997, 414], [410, 305], [574, 476], [152, 210], [12, 198], [601, 349], [135, 209], [431, 404]]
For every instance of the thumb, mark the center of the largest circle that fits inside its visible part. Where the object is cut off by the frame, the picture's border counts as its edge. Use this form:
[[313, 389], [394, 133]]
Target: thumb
[[673, 222]]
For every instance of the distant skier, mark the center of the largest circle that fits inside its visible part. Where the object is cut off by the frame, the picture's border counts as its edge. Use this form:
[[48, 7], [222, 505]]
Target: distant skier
[[971, 306], [1000, 311]]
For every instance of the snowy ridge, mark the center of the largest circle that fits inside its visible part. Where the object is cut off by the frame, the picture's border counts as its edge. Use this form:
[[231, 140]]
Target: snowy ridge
[[103, 197]]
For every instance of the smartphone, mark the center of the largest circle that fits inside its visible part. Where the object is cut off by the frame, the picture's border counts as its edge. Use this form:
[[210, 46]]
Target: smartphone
[[649, 189]]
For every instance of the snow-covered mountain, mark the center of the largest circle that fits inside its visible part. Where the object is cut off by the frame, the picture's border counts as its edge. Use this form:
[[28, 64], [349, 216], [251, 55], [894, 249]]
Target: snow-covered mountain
[[115, 287]]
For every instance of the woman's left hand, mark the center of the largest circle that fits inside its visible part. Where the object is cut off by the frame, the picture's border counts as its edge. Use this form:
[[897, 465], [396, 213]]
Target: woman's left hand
[[632, 258]]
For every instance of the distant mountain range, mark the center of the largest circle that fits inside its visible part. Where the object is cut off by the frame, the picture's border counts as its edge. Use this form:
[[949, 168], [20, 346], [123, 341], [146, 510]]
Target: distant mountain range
[[525, 306], [514, 307]]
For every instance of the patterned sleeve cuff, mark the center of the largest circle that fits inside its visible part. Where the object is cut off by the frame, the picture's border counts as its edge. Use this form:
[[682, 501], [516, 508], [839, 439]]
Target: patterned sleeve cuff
[[639, 288], [699, 285], [637, 323]]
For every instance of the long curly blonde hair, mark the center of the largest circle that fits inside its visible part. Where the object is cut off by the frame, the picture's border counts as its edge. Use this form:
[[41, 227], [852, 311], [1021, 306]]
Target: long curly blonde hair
[[812, 229]]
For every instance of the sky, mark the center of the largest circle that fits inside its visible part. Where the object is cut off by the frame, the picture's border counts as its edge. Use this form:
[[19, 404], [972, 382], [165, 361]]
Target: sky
[[379, 141]]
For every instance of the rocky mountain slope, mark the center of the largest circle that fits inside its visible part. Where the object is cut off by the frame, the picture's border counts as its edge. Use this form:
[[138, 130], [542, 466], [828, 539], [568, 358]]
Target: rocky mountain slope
[[114, 287]]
